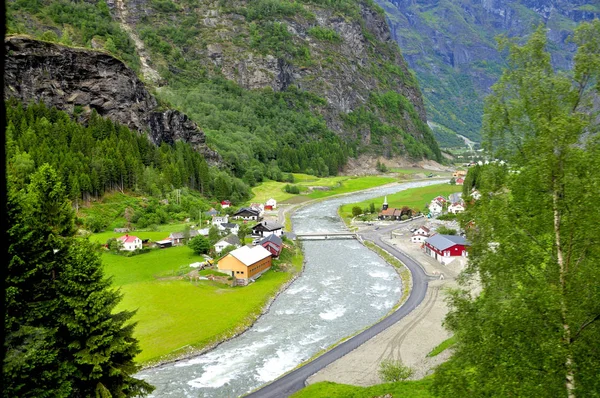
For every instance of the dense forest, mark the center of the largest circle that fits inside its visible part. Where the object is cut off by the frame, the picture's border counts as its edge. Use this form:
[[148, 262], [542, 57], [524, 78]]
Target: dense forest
[[105, 156]]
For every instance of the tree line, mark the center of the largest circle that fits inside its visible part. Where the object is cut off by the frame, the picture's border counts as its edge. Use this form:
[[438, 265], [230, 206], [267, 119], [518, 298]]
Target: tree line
[[105, 156]]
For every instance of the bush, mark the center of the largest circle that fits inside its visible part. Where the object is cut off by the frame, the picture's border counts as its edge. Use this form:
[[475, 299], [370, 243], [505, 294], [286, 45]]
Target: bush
[[292, 189], [393, 370], [404, 217], [446, 231], [356, 211], [199, 244]]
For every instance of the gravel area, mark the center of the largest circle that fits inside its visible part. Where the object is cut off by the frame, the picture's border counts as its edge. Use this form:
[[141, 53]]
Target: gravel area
[[412, 338]]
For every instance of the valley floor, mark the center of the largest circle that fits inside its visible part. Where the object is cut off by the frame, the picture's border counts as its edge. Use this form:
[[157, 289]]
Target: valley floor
[[409, 340]]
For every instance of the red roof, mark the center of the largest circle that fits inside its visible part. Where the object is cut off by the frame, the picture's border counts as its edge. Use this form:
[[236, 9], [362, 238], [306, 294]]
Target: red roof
[[225, 202], [127, 238]]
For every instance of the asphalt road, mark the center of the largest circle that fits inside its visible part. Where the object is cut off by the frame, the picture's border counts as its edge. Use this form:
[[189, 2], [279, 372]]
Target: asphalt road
[[295, 380]]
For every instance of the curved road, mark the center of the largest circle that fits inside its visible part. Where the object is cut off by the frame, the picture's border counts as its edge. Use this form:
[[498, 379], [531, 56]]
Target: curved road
[[295, 380]]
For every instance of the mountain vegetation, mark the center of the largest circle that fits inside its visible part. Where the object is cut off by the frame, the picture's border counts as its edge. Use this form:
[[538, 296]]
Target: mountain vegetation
[[106, 156], [275, 84], [533, 329], [62, 335], [451, 46]]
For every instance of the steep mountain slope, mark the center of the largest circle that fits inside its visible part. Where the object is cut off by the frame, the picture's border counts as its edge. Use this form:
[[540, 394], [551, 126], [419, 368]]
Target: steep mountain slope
[[78, 80], [451, 47], [295, 85]]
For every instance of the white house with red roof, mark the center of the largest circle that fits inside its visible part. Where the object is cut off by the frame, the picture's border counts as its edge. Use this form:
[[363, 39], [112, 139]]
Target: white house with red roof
[[460, 181], [130, 242], [456, 208], [420, 235], [225, 204], [436, 207]]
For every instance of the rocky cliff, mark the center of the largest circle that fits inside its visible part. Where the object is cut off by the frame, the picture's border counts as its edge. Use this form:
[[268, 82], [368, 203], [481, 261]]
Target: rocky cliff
[[79, 80], [451, 46], [342, 55]]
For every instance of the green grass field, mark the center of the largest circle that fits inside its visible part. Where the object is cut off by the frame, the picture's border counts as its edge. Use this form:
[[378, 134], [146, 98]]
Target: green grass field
[[404, 389], [162, 232], [415, 198], [337, 185], [175, 315]]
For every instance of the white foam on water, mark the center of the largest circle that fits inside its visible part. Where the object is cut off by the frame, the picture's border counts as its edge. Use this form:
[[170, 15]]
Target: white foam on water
[[263, 329], [330, 281], [276, 365], [311, 338], [380, 274], [333, 313], [379, 288], [295, 290]]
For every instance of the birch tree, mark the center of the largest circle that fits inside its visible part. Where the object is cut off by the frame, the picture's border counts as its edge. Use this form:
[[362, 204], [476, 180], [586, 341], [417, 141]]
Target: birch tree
[[534, 329]]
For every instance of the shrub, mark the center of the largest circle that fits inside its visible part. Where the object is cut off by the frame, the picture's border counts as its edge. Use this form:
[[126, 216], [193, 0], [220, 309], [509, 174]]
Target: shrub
[[446, 231], [356, 211], [393, 370]]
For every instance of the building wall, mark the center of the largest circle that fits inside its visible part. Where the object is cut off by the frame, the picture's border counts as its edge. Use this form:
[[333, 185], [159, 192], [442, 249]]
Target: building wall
[[259, 267], [239, 270], [235, 267]]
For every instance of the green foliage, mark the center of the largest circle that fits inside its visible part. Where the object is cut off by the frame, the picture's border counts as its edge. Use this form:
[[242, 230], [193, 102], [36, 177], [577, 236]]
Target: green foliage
[[533, 329], [393, 370], [381, 167], [442, 229], [105, 156], [443, 346], [85, 21], [270, 132], [357, 211], [293, 189], [324, 34], [63, 336], [199, 244], [326, 389]]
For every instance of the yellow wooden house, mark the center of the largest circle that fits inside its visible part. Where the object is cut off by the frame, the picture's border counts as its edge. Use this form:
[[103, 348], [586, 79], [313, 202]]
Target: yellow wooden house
[[245, 263]]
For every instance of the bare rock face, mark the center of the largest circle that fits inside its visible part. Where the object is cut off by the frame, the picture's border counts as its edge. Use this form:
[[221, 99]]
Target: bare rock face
[[70, 79]]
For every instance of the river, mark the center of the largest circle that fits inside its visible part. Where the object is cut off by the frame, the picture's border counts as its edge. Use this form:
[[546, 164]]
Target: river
[[344, 288]]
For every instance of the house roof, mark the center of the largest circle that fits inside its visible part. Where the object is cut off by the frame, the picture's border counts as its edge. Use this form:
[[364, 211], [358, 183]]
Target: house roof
[[246, 210], [443, 242], [437, 202], [127, 238], [273, 239], [424, 228], [250, 255], [211, 212], [229, 225], [231, 239], [176, 235], [227, 202], [269, 225], [390, 211]]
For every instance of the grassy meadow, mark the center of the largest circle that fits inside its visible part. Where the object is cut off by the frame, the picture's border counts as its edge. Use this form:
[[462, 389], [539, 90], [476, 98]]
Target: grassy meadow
[[336, 185], [415, 198], [174, 314], [412, 389]]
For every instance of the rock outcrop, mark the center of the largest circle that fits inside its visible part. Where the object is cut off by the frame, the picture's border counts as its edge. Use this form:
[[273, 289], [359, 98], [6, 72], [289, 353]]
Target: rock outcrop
[[79, 80]]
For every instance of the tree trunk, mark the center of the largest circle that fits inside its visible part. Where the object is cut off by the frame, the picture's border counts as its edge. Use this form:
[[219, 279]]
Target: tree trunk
[[570, 377]]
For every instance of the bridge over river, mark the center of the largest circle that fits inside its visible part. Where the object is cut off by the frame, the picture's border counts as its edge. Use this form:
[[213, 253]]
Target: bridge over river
[[327, 235]]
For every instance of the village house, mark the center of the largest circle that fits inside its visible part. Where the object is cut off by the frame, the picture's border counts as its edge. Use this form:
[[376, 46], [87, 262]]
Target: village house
[[225, 204], [259, 207], [245, 264], [179, 238], [266, 228], [218, 220], [420, 235], [212, 212], [121, 230], [460, 181], [232, 227], [456, 208], [130, 242], [229, 240], [445, 248], [164, 243], [271, 204], [475, 194], [459, 173], [440, 199], [272, 243], [435, 207], [247, 214]]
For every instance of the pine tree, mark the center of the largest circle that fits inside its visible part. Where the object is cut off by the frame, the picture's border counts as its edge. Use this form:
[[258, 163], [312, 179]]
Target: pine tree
[[62, 337]]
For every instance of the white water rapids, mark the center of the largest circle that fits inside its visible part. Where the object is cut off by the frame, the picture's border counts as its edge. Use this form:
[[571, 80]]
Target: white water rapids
[[344, 288]]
